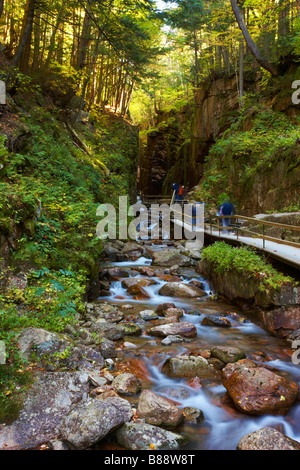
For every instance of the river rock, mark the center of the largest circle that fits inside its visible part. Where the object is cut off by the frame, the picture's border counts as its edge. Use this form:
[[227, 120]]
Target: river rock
[[173, 312], [49, 399], [143, 436], [257, 390], [172, 339], [193, 415], [158, 410], [108, 330], [107, 348], [148, 315], [267, 439], [108, 312], [227, 354], [40, 342], [138, 292], [132, 281], [92, 420], [170, 257], [131, 329], [216, 320], [115, 274], [146, 271], [184, 329], [127, 384], [181, 290], [189, 366], [161, 308]]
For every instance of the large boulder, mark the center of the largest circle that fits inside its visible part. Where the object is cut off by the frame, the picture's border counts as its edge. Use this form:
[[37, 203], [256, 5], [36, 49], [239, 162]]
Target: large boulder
[[132, 281], [267, 439], [180, 290], [186, 329], [158, 410], [143, 436], [170, 257], [49, 399], [257, 390], [189, 366], [92, 420]]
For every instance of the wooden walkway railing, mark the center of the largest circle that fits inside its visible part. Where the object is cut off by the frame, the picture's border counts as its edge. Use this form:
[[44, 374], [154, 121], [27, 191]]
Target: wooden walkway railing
[[215, 223], [237, 229]]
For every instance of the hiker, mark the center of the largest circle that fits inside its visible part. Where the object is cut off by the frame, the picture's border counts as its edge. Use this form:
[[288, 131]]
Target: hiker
[[180, 193], [176, 189], [227, 208]]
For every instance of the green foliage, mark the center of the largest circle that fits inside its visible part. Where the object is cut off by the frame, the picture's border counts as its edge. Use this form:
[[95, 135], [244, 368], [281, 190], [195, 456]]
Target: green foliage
[[245, 261], [255, 140]]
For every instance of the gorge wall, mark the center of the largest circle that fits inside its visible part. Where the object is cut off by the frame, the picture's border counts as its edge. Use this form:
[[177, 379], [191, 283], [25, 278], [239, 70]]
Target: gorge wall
[[177, 149]]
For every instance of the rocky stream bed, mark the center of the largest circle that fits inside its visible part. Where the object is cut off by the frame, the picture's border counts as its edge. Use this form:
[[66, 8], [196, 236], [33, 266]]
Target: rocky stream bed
[[157, 361]]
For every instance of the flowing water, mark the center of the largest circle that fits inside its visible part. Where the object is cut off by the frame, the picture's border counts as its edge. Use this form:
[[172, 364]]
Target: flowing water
[[223, 426]]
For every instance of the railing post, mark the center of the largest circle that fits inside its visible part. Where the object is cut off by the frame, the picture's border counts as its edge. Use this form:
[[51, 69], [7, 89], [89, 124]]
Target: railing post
[[264, 232]]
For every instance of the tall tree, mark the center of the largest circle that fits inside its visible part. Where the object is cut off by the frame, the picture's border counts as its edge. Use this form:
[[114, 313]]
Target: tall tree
[[249, 41]]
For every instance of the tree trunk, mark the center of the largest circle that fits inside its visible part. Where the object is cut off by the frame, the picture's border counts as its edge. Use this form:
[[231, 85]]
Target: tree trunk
[[25, 40], [249, 41], [1, 7]]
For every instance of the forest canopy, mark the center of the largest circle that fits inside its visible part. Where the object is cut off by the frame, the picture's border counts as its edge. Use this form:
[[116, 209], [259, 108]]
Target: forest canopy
[[106, 52]]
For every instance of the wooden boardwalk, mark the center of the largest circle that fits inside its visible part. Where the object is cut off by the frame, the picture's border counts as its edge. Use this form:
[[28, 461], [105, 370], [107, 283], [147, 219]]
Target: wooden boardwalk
[[285, 251], [286, 254]]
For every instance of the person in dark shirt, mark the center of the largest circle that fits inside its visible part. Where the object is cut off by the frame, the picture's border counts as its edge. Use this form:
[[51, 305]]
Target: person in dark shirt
[[227, 208], [176, 189]]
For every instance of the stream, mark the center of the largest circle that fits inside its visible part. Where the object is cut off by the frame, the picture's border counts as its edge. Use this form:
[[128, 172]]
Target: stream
[[223, 425]]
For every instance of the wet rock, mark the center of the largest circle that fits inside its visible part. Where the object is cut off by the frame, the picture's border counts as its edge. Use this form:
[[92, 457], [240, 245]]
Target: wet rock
[[170, 257], [140, 436], [108, 330], [127, 384], [257, 390], [267, 439], [116, 273], [138, 292], [227, 354], [132, 281], [148, 315], [92, 420], [172, 339], [216, 320], [193, 415], [132, 247], [165, 321], [173, 312], [175, 393], [161, 308], [146, 271], [184, 329], [181, 290], [50, 398], [131, 329], [158, 411], [189, 366]]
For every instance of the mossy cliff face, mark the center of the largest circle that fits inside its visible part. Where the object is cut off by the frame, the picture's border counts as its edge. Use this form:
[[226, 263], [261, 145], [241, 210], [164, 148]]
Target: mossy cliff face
[[175, 150], [217, 149]]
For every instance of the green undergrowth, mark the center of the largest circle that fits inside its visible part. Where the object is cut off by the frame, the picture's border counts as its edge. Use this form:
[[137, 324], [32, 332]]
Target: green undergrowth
[[247, 262], [258, 139], [51, 185]]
